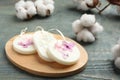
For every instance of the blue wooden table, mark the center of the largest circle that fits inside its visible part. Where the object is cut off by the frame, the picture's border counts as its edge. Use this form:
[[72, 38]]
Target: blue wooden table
[[100, 64]]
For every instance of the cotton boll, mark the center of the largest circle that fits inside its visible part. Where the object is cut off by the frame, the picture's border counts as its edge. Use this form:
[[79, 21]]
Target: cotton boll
[[82, 6], [28, 4], [92, 3], [50, 7], [88, 20], [21, 13], [96, 28], [31, 10], [117, 62], [37, 2], [85, 36], [25, 10], [116, 51], [89, 2], [40, 7], [42, 10], [76, 25], [20, 3]]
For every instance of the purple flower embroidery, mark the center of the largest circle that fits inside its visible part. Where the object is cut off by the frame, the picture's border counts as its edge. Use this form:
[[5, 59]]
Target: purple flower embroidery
[[65, 48], [25, 42]]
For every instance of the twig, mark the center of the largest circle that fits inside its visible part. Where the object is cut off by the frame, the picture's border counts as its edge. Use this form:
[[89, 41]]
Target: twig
[[97, 8], [104, 8]]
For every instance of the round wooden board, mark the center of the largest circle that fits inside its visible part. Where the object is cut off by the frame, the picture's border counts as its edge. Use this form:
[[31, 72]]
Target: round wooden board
[[33, 64]]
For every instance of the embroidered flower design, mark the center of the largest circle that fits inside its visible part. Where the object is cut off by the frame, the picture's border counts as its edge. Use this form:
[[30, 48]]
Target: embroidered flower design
[[25, 42], [65, 48]]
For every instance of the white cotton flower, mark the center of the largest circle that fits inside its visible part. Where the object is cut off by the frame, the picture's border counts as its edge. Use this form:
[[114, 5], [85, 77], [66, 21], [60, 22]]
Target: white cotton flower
[[42, 10], [86, 4], [20, 3], [85, 36], [117, 62], [89, 2], [116, 51], [77, 27], [38, 2], [116, 54], [82, 5], [25, 9], [44, 7], [28, 4], [92, 3], [48, 1], [50, 7], [21, 13], [88, 20], [31, 10], [96, 28]]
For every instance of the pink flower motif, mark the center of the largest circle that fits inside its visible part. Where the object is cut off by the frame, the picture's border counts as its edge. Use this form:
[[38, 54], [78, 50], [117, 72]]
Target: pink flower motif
[[25, 42], [65, 48]]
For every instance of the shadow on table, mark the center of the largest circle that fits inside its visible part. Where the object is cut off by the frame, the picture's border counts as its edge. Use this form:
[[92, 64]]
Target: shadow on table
[[80, 11], [27, 20], [111, 17]]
